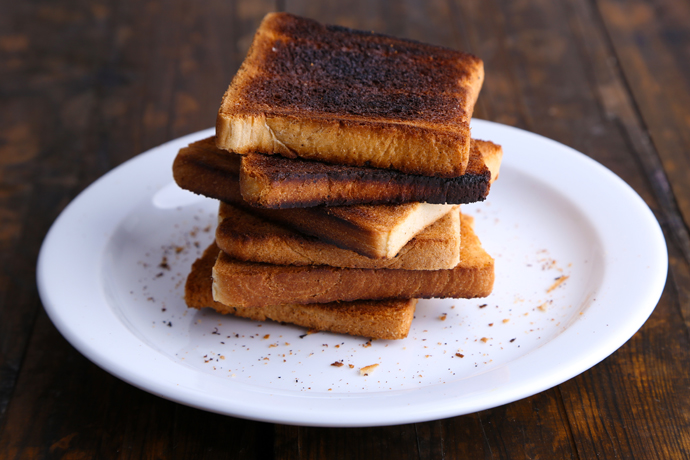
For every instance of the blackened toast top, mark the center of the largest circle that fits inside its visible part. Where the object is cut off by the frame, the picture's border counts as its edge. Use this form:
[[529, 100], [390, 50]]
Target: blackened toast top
[[297, 66]]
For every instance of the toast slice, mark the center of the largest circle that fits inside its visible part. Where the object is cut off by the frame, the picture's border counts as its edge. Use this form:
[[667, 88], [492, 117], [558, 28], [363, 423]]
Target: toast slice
[[250, 284], [379, 319], [271, 181], [204, 169], [350, 97], [376, 231], [246, 237]]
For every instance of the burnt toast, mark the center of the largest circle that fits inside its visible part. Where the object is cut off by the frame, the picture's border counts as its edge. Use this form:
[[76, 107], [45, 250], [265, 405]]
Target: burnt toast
[[272, 181], [349, 97], [275, 182]]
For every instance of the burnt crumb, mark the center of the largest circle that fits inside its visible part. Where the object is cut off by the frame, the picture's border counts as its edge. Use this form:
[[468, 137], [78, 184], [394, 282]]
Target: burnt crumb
[[337, 364], [482, 305], [159, 275], [151, 299], [164, 264], [164, 309], [215, 331], [179, 249], [310, 331], [512, 340], [169, 324], [207, 229]]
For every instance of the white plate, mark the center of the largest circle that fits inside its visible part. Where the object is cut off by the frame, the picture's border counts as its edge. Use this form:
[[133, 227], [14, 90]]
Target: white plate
[[553, 213]]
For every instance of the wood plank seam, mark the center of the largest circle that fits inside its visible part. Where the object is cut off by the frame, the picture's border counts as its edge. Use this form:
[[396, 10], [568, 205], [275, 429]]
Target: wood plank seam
[[628, 115]]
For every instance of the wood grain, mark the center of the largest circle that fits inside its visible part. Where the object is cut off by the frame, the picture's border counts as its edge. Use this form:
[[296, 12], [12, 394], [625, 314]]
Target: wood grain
[[40, 151]]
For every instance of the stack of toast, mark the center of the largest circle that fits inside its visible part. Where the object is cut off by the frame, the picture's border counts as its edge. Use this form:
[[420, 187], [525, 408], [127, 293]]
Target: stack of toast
[[341, 159]]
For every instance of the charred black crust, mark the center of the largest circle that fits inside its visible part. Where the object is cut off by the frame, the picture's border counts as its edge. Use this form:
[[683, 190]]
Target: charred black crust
[[385, 186], [311, 68], [463, 190]]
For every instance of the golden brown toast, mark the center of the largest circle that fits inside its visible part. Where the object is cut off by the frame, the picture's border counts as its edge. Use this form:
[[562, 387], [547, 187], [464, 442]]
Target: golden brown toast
[[349, 97], [379, 319], [247, 237], [377, 231], [275, 182], [250, 284]]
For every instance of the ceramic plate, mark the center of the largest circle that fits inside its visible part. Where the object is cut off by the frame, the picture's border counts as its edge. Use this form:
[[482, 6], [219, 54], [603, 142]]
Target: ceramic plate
[[580, 264]]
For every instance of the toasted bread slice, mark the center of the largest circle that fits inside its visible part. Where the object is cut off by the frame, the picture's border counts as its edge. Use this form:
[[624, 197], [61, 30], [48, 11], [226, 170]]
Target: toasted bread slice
[[379, 319], [250, 284], [244, 236], [204, 169], [349, 97], [376, 231], [271, 181]]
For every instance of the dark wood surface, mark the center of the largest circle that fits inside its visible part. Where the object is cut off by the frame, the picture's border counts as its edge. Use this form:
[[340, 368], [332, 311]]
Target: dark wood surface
[[86, 85]]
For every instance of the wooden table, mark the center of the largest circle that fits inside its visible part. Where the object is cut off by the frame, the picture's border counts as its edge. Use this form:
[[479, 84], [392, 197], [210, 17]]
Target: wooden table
[[85, 86]]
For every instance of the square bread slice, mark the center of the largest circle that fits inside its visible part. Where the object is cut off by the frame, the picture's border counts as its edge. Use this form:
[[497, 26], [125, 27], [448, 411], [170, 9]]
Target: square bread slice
[[271, 181], [244, 236], [350, 97], [251, 284], [276, 182], [378, 319]]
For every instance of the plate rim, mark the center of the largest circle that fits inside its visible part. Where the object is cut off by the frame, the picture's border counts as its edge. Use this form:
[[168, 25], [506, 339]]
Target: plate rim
[[275, 413]]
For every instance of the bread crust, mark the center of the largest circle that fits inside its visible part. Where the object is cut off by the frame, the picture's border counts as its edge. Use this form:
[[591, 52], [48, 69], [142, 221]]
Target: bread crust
[[247, 237], [251, 284], [383, 319], [349, 97], [271, 181]]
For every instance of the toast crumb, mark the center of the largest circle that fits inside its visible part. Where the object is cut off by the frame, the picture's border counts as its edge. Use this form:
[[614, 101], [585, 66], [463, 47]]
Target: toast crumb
[[337, 364], [459, 355], [351, 366], [560, 280], [443, 317], [484, 339], [366, 370]]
